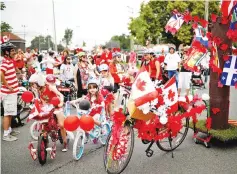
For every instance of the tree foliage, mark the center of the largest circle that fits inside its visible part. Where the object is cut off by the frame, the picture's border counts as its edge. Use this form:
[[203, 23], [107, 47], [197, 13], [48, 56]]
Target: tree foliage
[[41, 42], [83, 43], [123, 41], [68, 36], [150, 24], [5, 27]]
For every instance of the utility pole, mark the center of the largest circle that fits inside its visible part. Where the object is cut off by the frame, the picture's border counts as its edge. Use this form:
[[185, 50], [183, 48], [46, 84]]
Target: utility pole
[[39, 43], [24, 26], [55, 39], [48, 39]]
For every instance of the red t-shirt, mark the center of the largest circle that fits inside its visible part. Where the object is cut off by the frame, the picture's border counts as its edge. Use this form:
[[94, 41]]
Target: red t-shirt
[[152, 66]]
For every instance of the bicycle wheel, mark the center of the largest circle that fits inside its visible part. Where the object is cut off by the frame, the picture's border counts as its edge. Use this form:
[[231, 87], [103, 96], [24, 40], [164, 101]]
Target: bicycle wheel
[[42, 153], [114, 162], [164, 144], [78, 145], [34, 131], [105, 130]]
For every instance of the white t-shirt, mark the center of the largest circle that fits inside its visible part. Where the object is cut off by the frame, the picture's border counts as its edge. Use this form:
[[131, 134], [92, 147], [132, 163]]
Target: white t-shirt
[[66, 71], [49, 62], [172, 61]]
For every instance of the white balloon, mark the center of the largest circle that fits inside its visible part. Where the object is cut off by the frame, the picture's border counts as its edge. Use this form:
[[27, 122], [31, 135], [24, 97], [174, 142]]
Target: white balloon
[[163, 120]]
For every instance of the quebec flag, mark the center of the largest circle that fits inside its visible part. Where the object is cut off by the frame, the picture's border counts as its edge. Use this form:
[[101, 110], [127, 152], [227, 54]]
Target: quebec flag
[[229, 74]]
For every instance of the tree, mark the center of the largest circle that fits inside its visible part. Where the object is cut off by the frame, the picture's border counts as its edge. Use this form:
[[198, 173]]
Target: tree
[[60, 47], [5, 27], [83, 43], [122, 40], [41, 42], [3, 6], [154, 15], [68, 36]]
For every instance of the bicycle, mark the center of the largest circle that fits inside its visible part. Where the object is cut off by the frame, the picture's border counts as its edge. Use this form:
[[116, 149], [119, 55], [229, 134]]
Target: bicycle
[[98, 133], [117, 155]]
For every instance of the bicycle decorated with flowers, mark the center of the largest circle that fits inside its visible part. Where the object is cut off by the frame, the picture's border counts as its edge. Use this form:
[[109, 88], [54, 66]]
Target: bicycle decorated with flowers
[[158, 117]]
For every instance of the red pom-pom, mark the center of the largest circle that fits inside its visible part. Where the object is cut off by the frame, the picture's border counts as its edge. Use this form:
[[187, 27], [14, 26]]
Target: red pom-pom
[[27, 96], [86, 122], [71, 123], [55, 101]]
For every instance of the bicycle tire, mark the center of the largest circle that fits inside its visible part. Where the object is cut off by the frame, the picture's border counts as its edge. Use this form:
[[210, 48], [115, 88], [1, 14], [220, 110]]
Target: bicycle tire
[[178, 143], [80, 137], [105, 156], [42, 153], [32, 130]]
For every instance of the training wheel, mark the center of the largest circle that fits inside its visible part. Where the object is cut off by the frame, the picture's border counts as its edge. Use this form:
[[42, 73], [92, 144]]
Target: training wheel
[[149, 153], [195, 140], [207, 145]]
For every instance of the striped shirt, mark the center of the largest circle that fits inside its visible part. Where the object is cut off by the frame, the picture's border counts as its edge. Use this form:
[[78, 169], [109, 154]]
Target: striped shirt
[[8, 68]]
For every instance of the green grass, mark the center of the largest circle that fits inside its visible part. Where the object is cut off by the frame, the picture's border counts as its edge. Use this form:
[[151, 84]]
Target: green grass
[[222, 135]]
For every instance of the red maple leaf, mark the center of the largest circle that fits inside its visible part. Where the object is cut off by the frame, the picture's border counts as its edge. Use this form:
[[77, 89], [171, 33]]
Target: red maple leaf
[[140, 85], [203, 23], [224, 20], [196, 18], [215, 110], [226, 57], [171, 95], [213, 17], [224, 47]]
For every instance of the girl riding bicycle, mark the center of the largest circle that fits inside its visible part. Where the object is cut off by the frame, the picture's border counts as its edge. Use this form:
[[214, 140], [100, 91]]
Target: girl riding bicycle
[[96, 100], [46, 93]]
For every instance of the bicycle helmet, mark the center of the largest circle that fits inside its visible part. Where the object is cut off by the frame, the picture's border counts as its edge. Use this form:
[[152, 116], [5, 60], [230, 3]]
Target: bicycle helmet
[[33, 78], [92, 81], [7, 46], [171, 47], [103, 67], [51, 78]]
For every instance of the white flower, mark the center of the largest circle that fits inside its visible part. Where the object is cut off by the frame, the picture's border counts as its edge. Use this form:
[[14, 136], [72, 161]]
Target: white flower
[[163, 120], [205, 97]]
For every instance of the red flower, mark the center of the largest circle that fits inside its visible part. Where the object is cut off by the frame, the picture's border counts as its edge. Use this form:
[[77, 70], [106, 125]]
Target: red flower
[[226, 57], [209, 36], [217, 40], [203, 23], [195, 25], [187, 17], [234, 51], [224, 20], [196, 18], [215, 110], [224, 47], [213, 17]]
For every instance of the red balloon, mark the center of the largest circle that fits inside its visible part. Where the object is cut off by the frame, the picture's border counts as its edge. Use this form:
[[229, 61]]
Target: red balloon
[[27, 96], [86, 122], [71, 123], [55, 101]]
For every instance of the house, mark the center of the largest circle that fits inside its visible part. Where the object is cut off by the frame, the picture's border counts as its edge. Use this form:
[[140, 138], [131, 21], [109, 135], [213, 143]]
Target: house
[[16, 40]]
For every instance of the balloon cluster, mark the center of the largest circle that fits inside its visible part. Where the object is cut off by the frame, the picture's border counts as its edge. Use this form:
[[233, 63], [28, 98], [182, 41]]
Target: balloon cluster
[[72, 122]]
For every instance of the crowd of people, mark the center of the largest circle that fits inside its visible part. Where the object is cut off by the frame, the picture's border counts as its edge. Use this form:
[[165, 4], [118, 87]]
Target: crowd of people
[[93, 72]]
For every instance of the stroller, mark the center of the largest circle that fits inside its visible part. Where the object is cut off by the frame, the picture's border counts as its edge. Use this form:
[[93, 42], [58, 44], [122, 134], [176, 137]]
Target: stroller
[[197, 78]]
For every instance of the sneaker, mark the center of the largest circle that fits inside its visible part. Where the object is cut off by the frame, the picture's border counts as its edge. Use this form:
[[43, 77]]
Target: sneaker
[[65, 147], [14, 133], [9, 138]]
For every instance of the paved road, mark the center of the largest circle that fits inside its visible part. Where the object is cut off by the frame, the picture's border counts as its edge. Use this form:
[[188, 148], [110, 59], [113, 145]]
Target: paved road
[[188, 158]]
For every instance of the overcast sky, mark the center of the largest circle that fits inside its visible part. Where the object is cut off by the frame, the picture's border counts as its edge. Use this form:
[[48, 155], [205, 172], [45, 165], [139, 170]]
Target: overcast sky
[[94, 21]]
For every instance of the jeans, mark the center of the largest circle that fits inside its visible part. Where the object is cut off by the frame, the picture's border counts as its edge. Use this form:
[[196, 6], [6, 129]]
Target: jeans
[[171, 73]]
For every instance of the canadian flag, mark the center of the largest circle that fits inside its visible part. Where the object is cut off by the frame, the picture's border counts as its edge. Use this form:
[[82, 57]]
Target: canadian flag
[[170, 94], [227, 6], [143, 90], [35, 110], [174, 23]]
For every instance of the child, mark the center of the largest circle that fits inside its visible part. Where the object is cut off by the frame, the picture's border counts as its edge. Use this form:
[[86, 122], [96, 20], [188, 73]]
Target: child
[[96, 100], [107, 83]]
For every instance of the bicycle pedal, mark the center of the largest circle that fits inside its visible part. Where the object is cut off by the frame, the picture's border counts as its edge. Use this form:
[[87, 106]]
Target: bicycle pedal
[[149, 153], [49, 149]]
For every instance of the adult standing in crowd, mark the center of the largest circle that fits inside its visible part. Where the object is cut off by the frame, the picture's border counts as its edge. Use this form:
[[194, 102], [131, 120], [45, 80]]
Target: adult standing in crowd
[[67, 69], [184, 75], [154, 68], [171, 62], [9, 90], [81, 75], [19, 60], [29, 57]]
